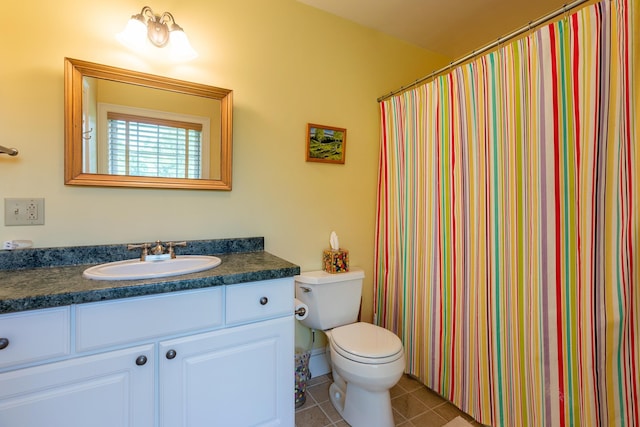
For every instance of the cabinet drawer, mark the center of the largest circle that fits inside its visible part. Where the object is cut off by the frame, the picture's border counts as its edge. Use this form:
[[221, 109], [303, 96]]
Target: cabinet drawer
[[35, 335], [259, 300], [138, 319]]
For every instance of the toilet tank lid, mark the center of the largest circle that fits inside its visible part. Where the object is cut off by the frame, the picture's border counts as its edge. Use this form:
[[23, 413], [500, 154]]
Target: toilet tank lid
[[319, 277]]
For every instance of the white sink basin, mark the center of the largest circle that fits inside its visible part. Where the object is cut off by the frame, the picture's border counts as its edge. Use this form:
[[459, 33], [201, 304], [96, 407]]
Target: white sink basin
[[133, 269]]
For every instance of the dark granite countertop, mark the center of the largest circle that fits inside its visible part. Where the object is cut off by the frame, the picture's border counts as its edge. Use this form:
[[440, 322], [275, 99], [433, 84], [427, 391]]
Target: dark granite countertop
[[52, 277]]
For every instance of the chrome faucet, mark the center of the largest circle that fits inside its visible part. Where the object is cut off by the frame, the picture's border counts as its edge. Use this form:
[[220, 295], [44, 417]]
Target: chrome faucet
[[156, 249]]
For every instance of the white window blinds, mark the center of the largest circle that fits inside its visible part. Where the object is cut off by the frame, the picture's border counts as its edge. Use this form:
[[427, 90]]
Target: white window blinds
[[147, 146]]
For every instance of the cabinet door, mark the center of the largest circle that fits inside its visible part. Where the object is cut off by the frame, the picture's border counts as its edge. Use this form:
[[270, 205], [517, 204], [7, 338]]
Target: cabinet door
[[236, 377], [104, 390], [34, 335]]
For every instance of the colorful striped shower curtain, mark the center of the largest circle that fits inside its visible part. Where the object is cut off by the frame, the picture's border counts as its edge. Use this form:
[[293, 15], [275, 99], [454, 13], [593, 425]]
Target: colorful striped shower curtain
[[508, 223]]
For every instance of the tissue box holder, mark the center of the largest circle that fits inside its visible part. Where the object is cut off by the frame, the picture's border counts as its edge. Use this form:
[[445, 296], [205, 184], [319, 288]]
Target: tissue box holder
[[335, 261]]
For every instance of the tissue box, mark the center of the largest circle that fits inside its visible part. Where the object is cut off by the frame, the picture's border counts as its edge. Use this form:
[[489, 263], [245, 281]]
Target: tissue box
[[335, 261]]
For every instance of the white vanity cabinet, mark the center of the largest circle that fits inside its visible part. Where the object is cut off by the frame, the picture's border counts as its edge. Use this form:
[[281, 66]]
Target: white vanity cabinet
[[219, 356], [104, 390]]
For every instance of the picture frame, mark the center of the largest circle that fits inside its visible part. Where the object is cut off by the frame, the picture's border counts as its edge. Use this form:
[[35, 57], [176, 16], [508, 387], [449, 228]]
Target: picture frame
[[326, 144]]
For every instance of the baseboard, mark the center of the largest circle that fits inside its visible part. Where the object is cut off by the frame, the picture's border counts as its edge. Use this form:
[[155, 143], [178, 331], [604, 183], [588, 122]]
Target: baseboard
[[319, 363]]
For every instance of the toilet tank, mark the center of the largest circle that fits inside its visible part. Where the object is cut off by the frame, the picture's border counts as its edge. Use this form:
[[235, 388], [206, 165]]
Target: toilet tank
[[333, 299]]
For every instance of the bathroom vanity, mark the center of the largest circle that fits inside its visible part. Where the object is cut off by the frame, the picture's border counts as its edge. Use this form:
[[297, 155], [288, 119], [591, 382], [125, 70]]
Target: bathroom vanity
[[213, 348]]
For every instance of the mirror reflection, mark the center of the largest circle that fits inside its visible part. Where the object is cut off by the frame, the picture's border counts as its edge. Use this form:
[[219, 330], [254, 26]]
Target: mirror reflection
[[141, 131], [125, 128]]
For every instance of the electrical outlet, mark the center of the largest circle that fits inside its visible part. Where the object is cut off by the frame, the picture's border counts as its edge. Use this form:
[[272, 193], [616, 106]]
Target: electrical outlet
[[24, 211], [32, 210]]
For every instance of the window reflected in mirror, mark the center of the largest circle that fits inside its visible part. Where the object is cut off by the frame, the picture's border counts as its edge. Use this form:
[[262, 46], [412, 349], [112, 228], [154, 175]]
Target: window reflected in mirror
[[148, 146]]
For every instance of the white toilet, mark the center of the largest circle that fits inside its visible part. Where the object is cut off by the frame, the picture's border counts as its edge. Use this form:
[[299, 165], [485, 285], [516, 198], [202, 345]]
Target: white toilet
[[367, 360]]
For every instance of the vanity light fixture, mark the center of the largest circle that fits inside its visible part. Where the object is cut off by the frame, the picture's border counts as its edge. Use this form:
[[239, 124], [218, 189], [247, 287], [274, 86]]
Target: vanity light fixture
[[161, 30]]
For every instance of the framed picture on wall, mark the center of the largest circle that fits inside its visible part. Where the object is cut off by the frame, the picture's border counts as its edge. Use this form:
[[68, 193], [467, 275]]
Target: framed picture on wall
[[326, 144]]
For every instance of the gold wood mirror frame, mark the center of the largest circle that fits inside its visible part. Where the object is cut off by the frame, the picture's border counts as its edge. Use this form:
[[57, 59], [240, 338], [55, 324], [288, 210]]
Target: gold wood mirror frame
[[75, 71]]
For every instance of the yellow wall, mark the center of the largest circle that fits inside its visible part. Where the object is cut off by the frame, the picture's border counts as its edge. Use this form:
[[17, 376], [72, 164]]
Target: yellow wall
[[288, 65]]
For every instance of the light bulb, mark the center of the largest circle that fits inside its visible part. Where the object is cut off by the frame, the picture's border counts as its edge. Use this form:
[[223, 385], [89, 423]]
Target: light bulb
[[134, 35], [179, 47]]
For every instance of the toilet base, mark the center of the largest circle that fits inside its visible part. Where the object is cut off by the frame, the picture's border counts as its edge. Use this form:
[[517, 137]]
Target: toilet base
[[359, 407]]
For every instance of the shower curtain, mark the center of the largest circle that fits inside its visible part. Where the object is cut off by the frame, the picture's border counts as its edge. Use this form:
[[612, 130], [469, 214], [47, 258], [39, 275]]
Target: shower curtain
[[508, 222]]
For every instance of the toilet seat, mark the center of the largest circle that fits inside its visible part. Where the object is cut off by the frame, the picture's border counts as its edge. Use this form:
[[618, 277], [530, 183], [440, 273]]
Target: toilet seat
[[366, 343]]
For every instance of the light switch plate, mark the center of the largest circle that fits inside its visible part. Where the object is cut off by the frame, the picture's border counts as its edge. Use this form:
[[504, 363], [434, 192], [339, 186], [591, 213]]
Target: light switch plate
[[27, 211]]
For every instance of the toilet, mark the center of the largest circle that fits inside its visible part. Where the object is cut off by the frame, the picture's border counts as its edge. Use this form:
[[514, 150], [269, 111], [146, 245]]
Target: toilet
[[366, 360]]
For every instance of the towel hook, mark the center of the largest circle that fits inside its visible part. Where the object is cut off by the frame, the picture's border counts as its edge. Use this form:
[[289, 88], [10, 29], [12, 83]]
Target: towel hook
[[9, 151], [86, 135]]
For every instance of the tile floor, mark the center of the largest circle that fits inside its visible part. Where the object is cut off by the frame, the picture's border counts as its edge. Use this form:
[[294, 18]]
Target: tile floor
[[414, 405]]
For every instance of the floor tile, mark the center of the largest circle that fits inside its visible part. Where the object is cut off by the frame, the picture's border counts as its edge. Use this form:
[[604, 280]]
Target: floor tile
[[319, 392], [317, 380], [428, 419], [409, 384], [429, 397], [408, 406], [331, 412], [414, 405], [312, 417], [396, 391], [398, 418], [449, 411]]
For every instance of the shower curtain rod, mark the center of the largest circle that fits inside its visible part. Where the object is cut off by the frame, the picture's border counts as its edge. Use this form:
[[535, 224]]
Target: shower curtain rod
[[516, 33]]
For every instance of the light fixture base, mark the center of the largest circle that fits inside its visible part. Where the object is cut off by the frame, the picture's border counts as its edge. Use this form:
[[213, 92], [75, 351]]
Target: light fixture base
[[158, 33]]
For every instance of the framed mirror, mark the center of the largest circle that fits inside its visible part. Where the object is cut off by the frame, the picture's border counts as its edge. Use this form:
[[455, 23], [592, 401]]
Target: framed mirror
[[129, 129]]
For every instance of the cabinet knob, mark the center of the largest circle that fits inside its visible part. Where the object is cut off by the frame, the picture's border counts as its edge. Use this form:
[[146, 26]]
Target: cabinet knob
[[4, 343], [171, 354], [264, 300], [141, 360]]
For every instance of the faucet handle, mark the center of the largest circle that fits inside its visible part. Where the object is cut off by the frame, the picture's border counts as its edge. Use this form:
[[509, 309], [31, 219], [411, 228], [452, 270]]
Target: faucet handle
[[145, 249], [172, 245], [142, 246]]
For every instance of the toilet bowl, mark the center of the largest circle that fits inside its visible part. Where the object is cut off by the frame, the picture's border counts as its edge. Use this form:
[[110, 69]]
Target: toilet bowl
[[366, 360], [362, 378]]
